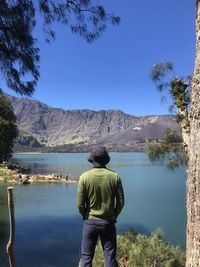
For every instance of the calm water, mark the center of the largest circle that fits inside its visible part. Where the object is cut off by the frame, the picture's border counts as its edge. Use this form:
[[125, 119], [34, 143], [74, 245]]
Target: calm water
[[48, 226]]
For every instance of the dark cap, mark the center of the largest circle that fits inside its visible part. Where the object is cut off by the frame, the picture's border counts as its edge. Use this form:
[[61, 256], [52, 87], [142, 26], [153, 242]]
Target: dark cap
[[99, 156]]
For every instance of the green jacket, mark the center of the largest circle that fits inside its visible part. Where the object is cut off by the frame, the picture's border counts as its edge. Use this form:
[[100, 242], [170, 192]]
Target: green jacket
[[100, 194]]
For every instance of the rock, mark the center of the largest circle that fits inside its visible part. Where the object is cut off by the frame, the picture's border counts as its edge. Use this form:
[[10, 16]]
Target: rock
[[25, 179]]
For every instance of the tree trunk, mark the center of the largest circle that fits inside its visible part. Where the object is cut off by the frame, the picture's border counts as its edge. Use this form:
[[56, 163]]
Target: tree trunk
[[193, 182], [184, 127]]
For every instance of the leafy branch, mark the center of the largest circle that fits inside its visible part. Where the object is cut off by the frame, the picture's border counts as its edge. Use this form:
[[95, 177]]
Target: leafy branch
[[172, 147], [19, 55]]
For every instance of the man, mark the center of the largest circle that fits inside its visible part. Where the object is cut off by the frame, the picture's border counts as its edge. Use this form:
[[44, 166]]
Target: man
[[100, 199]]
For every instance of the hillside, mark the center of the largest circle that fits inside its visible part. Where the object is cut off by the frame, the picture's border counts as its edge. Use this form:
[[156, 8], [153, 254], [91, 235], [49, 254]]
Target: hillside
[[57, 127]]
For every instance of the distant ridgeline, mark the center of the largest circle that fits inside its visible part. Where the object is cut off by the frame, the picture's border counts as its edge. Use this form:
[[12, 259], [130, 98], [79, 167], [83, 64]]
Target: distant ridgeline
[[42, 128]]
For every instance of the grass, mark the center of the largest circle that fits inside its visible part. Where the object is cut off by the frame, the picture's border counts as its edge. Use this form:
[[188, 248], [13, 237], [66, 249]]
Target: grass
[[6, 175]]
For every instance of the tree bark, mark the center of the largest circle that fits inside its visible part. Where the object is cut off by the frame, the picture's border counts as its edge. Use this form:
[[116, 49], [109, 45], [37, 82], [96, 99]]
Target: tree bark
[[185, 128], [193, 182]]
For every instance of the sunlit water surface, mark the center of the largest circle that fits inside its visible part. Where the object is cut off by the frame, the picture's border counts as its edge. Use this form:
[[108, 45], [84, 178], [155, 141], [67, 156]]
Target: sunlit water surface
[[48, 226]]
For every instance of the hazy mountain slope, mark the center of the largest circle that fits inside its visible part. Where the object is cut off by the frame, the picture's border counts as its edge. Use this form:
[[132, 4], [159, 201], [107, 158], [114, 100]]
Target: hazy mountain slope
[[53, 126], [148, 127]]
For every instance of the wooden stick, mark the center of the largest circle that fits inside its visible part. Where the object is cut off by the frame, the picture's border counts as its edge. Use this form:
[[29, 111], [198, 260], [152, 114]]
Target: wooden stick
[[9, 247]]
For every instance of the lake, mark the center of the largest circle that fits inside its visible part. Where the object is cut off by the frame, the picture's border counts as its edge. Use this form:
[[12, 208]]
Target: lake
[[48, 226]]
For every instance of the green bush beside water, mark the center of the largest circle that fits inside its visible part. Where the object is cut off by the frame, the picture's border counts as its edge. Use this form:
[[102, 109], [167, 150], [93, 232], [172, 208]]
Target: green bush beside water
[[136, 250], [6, 174]]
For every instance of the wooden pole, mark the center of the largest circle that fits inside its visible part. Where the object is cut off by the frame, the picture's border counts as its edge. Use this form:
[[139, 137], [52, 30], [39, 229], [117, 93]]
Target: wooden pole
[[9, 247]]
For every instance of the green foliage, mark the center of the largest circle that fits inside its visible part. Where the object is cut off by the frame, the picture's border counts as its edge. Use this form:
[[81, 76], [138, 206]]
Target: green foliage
[[180, 92], [84, 18], [178, 88], [19, 56], [7, 175], [159, 73], [170, 148], [39, 178], [144, 251], [8, 130]]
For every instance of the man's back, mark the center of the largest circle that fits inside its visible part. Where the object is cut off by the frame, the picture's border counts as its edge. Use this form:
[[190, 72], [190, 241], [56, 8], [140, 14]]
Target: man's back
[[100, 194], [100, 199]]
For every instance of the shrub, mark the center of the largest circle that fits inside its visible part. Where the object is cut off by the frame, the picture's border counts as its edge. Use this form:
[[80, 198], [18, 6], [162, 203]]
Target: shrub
[[136, 250]]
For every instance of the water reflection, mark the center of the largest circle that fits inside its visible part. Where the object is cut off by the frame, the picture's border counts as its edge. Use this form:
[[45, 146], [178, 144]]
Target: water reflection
[[48, 226], [11, 258], [76, 163], [6, 259], [43, 242]]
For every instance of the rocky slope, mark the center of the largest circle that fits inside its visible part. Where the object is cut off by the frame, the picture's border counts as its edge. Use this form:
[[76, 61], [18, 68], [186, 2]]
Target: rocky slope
[[54, 126]]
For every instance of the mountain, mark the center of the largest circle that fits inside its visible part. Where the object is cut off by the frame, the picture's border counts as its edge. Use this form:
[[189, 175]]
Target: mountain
[[26, 140], [57, 127]]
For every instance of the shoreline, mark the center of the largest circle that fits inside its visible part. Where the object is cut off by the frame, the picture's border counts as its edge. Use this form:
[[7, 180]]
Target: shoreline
[[15, 177], [28, 152]]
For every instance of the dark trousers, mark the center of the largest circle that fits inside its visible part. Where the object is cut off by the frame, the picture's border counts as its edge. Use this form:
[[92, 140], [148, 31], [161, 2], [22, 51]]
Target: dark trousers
[[106, 231]]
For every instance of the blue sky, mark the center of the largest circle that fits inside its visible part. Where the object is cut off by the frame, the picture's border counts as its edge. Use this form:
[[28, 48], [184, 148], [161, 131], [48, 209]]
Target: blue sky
[[113, 72]]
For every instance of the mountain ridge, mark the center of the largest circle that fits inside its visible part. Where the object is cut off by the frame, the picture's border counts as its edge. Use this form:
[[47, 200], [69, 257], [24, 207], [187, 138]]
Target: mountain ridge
[[57, 127]]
